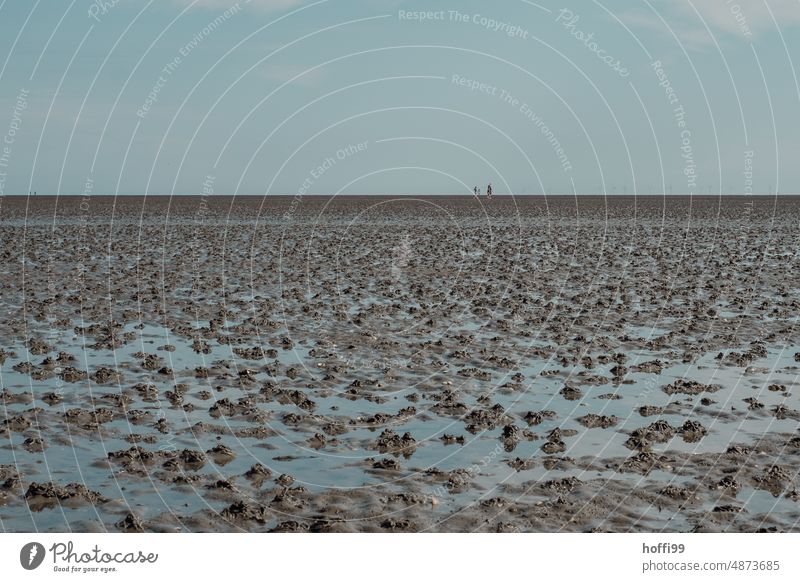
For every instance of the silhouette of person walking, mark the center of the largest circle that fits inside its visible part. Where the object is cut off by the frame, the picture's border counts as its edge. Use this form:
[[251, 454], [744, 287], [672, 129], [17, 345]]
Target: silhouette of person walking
[[489, 191]]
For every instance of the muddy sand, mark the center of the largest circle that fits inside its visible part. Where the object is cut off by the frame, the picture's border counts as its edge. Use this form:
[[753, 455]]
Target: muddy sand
[[372, 364]]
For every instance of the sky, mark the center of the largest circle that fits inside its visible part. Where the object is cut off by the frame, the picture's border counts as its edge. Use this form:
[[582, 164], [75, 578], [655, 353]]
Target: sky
[[291, 97]]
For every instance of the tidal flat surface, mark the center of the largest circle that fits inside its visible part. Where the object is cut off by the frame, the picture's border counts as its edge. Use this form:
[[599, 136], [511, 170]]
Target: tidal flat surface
[[379, 364]]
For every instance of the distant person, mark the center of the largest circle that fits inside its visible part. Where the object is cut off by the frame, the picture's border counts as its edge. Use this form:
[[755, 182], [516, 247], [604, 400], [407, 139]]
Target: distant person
[[489, 191], [476, 192]]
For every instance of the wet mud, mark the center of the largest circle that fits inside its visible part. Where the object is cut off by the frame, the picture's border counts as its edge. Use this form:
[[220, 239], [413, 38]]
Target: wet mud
[[380, 365]]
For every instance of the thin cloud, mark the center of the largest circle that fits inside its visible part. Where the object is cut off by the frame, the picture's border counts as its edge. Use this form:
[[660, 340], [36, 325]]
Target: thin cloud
[[688, 19], [693, 37], [745, 16]]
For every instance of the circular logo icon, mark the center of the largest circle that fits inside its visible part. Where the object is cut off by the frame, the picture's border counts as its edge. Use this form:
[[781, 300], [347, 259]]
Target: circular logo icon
[[31, 555]]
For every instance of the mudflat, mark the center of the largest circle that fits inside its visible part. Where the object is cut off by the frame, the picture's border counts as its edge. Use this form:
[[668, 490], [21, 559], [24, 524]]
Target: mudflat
[[375, 364]]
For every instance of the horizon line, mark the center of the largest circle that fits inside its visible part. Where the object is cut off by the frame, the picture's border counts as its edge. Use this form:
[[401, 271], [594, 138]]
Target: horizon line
[[481, 197]]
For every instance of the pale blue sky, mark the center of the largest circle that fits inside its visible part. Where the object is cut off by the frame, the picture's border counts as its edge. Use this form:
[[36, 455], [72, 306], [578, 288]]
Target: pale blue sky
[[76, 76]]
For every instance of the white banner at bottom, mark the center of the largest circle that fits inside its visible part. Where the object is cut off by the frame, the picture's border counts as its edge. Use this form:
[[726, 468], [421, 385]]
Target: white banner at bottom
[[389, 557]]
